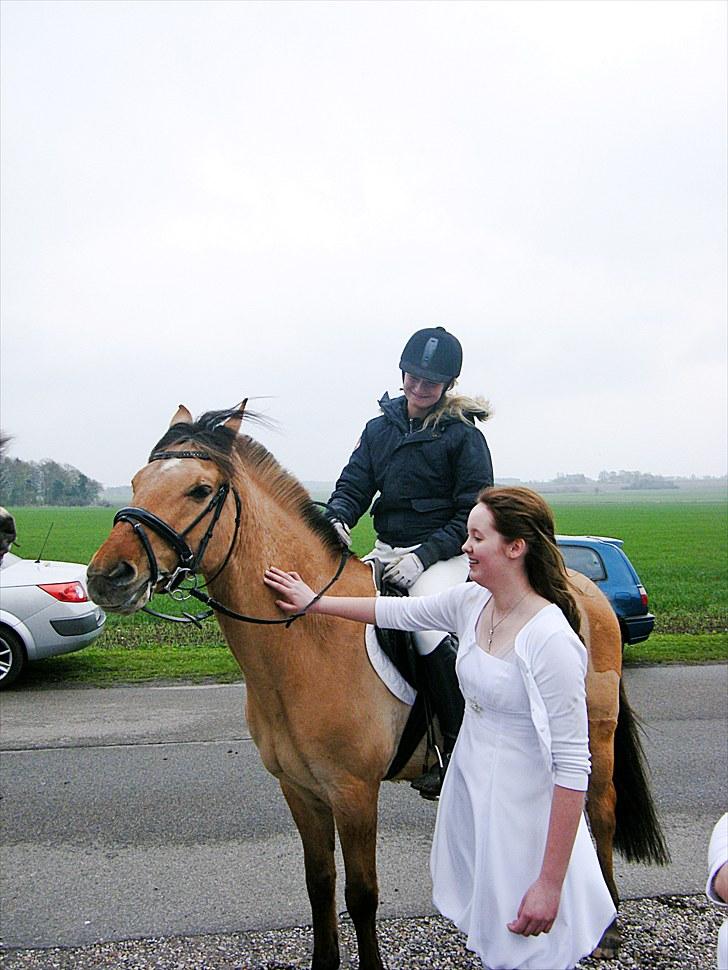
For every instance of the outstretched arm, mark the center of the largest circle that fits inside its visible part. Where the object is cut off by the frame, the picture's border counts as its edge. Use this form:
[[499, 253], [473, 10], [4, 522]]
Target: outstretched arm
[[296, 595]]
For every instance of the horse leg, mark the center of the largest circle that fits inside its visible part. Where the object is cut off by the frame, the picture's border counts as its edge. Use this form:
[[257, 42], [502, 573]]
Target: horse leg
[[356, 822], [315, 823], [601, 808]]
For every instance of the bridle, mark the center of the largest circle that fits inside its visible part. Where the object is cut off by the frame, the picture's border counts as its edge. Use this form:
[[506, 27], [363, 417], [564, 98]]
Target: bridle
[[188, 562]]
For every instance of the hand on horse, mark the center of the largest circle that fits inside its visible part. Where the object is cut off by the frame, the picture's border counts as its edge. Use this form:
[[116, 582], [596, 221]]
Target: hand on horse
[[405, 571], [297, 595], [538, 909], [343, 532]]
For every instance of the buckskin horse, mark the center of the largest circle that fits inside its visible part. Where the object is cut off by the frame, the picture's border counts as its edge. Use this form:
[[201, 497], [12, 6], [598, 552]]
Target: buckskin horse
[[215, 503]]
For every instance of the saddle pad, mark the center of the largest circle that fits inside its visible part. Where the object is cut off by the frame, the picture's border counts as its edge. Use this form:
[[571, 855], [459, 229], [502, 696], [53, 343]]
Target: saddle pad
[[388, 673]]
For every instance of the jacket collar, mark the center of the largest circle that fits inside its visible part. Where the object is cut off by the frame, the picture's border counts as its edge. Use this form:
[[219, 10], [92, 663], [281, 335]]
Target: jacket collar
[[396, 410]]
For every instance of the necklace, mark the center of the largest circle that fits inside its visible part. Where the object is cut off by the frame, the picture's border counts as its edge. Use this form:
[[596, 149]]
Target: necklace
[[494, 626]]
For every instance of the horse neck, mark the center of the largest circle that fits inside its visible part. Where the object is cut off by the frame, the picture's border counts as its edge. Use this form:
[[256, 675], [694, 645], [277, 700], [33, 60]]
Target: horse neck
[[270, 533]]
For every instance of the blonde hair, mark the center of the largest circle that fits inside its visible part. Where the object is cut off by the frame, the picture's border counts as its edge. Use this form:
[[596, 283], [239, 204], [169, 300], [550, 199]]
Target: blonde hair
[[458, 406]]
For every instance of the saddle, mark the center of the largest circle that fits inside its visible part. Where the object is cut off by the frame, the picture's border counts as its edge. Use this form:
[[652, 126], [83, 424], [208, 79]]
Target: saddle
[[399, 647]]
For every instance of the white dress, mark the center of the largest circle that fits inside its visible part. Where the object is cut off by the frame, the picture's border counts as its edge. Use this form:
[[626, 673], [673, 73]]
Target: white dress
[[717, 857], [494, 809]]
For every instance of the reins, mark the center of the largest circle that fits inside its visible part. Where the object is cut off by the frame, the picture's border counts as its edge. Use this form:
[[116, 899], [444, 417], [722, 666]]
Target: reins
[[216, 605], [189, 562]]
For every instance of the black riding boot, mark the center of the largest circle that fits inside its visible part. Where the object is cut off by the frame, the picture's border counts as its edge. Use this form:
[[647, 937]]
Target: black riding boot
[[449, 706]]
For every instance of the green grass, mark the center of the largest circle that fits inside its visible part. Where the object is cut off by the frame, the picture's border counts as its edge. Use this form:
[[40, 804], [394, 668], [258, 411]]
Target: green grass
[[679, 648], [677, 544], [75, 533], [679, 550], [101, 665]]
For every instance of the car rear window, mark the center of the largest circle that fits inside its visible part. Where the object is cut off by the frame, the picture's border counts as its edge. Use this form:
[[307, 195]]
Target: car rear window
[[584, 560]]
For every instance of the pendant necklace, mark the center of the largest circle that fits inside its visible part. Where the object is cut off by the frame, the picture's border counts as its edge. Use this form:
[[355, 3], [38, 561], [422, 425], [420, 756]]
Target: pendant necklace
[[494, 626]]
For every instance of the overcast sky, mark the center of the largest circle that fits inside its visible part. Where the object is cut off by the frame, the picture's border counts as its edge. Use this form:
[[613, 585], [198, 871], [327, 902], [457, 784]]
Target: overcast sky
[[203, 201]]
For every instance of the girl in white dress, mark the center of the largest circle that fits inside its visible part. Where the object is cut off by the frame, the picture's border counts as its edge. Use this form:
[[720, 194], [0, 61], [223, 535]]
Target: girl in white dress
[[512, 864]]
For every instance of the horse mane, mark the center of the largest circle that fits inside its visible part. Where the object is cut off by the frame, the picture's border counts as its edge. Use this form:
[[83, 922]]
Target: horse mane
[[222, 445]]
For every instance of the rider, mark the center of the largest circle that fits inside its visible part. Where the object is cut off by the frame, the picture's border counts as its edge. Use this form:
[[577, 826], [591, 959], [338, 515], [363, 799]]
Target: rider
[[427, 460]]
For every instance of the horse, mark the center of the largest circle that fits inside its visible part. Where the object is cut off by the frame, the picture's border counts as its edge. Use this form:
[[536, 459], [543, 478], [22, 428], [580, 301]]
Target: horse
[[215, 502]]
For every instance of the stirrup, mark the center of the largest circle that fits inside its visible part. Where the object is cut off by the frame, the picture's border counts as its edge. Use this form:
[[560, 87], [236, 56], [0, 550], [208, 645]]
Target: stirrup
[[429, 784]]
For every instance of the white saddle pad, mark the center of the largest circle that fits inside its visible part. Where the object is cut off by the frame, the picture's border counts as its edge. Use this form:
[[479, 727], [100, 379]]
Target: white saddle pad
[[388, 673]]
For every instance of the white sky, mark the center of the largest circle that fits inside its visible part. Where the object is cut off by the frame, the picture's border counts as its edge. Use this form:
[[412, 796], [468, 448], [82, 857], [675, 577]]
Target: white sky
[[203, 201]]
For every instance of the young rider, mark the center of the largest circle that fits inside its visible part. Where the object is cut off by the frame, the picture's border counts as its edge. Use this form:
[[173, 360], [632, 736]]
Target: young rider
[[425, 460]]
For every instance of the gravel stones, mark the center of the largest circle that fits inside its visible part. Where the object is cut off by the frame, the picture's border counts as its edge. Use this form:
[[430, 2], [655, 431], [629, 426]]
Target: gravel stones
[[664, 933]]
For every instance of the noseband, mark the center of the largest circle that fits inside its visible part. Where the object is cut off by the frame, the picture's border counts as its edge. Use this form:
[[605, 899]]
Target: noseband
[[189, 562]]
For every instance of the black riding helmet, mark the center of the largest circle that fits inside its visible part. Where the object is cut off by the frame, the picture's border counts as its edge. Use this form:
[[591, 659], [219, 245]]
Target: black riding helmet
[[433, 354]]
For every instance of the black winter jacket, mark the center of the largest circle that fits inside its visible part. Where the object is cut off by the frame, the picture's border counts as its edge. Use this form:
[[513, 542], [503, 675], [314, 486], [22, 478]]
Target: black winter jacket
[[427, 480]]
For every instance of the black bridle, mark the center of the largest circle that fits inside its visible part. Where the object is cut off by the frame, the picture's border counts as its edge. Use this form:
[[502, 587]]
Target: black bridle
[[189, 562]]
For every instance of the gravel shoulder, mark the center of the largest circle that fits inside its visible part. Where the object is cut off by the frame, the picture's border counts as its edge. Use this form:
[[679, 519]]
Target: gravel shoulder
[[662, 933]]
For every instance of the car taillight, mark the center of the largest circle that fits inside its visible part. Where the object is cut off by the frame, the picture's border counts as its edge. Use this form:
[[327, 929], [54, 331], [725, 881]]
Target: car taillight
[[66, 592], [643, 595]]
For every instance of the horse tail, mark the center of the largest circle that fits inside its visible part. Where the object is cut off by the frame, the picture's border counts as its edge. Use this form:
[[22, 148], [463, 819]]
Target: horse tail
[[638, 836]]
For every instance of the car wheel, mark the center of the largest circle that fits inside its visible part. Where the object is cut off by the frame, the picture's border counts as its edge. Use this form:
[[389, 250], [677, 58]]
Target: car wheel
[[12, 657]]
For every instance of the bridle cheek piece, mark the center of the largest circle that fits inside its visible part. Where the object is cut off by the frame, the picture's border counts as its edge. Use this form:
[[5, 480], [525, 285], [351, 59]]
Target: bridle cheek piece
[[189, 562]]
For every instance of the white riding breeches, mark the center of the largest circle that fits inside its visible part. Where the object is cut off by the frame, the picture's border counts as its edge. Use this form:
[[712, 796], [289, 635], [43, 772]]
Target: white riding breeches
[[441, 575]]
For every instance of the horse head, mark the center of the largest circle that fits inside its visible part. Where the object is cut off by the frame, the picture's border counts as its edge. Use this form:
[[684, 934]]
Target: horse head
[[183, 518]]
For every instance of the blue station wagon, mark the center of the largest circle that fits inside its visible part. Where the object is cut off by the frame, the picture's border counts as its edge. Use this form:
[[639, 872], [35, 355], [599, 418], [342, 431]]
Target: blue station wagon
[[603, 560]]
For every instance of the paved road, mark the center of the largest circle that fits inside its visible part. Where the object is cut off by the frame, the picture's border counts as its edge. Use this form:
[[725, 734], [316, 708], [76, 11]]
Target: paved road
[[139, 812]]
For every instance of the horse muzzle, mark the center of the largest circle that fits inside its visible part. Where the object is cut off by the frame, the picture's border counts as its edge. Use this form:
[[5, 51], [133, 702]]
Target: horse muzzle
[[118, 588]]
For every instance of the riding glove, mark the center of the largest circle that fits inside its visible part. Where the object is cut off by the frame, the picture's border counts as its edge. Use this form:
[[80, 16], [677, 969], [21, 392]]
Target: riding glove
[[405, 571], [343, 532]]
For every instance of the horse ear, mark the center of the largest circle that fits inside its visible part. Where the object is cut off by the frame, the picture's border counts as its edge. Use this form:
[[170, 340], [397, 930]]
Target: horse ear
[[182, 416], [233, 424]]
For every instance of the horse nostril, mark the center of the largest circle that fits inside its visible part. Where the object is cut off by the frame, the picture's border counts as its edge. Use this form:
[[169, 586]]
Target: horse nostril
[[123, 574]]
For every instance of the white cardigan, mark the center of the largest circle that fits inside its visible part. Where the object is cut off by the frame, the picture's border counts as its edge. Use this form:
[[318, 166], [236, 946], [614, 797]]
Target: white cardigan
[[551, 658]]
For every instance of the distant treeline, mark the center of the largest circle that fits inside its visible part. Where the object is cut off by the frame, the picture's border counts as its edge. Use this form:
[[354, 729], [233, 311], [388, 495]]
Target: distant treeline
[[45, 483], [624, 479]]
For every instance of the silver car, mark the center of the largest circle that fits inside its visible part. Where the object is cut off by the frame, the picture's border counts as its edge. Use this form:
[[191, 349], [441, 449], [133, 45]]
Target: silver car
[[44, 611]]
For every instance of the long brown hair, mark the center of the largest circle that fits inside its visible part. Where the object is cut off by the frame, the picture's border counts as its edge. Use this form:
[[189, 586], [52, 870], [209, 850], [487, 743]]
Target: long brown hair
[[520, 513]]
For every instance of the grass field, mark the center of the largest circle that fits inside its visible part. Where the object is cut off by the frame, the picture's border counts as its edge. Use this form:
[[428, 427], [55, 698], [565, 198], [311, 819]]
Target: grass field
[[679, 549], [679, 546]]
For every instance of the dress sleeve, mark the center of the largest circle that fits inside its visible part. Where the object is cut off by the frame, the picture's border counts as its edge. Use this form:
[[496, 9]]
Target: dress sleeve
[[441, 611], [559, 671]]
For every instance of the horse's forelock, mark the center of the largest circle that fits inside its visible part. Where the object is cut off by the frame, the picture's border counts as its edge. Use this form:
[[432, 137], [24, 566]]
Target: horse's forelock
[[208, 432]]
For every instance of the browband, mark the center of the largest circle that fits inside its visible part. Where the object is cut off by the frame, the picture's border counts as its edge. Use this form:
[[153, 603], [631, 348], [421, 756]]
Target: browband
[[162, 455]]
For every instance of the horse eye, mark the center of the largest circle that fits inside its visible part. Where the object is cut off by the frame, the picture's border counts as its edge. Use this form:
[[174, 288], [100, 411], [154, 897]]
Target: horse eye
[[200, 492]]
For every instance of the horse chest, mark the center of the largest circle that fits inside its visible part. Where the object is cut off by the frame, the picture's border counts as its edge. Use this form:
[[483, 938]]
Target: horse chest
[[282, 749]]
